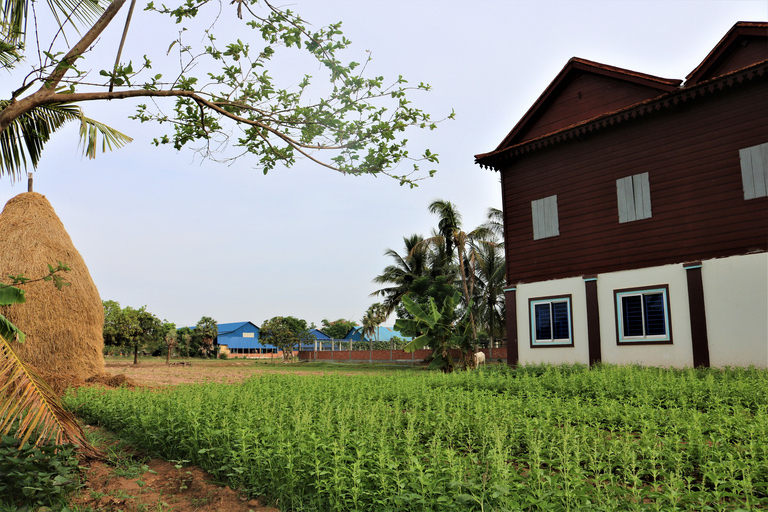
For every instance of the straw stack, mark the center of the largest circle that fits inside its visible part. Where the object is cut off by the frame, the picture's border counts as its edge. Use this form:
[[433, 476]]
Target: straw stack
[[63, 328]]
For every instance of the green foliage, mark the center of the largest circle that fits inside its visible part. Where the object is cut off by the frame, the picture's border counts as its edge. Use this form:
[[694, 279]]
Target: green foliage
[[533, 438], [131, 328], [36, 476], [438, 329], [204, 334], [362, 121], [285, 333], [338, 328]]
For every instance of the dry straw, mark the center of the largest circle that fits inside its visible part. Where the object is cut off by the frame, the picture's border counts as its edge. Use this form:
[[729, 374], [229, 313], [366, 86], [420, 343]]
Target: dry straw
[[63, 328]]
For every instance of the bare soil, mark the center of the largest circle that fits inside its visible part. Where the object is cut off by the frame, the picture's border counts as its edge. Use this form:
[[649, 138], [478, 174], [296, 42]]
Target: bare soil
[[154, 484]]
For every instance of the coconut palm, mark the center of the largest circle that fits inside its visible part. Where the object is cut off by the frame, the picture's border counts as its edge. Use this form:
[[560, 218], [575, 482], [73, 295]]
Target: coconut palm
[[27, 134], [27, 404], [403, 272], [452, 236], [490, 275]]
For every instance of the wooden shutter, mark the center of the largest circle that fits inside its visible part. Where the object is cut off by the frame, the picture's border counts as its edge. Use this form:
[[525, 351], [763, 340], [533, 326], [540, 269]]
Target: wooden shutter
[[545, 221], [633, 196], [754, 170]]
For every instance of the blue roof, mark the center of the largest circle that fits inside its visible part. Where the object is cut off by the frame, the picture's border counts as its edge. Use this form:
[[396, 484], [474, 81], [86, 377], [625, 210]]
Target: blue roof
[[320, 335], [233, 326], [384, 334]]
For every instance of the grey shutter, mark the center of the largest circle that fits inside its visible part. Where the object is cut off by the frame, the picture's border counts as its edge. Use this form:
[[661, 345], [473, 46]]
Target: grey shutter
[[754, 170], [626, 199], [545, 221], [633, 197], [642, 189]]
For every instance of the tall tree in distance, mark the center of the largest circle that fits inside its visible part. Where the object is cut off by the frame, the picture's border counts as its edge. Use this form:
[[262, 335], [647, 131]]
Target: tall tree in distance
[[403, 272], [207, 329], [240, 106], [338, 328]]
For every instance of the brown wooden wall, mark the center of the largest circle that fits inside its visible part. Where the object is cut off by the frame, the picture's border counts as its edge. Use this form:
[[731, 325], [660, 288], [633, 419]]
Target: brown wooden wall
[[692, 156], [587, 96]]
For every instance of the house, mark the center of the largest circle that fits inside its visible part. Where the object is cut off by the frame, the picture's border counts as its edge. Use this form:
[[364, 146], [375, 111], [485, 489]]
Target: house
[[241, 339], [636, 214], [382, 334]]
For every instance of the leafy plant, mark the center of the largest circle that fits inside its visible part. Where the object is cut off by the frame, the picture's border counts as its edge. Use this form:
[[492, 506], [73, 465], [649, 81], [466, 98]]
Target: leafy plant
[[437, 329], [36, 475]]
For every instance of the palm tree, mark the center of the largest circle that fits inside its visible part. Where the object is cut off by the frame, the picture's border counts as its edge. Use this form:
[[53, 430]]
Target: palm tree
[[374, 317], [207, 329], [27, 134], [403, 272], [452, 236], [491, 278]]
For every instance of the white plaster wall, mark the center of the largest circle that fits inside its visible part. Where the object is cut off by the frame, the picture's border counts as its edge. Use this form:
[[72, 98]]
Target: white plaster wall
[[680, 352], [736, 302], [579, 352]]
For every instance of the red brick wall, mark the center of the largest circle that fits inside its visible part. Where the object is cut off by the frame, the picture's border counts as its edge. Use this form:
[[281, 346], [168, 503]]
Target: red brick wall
[[384, 355]]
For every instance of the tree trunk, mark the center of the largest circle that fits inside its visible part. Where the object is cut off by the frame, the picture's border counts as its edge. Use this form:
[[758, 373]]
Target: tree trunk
[[135, 354]]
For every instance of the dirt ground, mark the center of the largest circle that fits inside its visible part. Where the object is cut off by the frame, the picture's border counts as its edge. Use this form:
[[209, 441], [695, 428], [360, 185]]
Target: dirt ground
[[129, 481]]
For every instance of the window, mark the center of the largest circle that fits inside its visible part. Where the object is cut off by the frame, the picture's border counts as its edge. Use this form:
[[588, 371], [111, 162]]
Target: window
[[642, 315], [545, 223], [633, 194], [551, 322], [754, 170]]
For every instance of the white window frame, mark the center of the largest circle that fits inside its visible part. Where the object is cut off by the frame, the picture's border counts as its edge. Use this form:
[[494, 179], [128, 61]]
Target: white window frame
[[633, 196], [545, 219], [623, 338], [552, 342], [754, 171]]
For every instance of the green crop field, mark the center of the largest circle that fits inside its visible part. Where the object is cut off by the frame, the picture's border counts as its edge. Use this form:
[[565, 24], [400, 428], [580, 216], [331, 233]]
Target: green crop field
[[535, 438]]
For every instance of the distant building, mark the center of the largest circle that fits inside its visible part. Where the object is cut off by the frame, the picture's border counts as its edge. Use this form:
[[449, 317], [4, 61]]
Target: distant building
[[382, 334], [636, 214], [241, 339]]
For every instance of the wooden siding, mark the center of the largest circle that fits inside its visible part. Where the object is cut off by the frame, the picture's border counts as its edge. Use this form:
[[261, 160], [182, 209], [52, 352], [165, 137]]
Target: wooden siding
[[745, 52], [585, 97], [692, 156]]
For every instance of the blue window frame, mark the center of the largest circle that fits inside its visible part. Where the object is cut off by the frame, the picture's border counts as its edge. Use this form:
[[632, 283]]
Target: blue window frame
[[642, 315], [551, 322]]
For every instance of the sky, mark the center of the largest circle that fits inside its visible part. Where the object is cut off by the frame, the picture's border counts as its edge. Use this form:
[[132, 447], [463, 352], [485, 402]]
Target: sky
[[188, 238]]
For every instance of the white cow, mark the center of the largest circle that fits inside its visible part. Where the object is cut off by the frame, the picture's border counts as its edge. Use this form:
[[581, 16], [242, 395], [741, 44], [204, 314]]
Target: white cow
[[479, 358]]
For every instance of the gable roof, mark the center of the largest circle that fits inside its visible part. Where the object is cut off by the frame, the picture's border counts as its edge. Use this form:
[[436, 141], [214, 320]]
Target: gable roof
[[625, 87], [752, 66], [234, 326], [744, 44]]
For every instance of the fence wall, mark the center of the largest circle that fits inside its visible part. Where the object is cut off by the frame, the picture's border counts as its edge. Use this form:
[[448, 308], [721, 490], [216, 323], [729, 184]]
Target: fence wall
[[398, 356]]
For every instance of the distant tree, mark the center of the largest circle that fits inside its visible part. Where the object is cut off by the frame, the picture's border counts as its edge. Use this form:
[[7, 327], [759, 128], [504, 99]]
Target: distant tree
[[285, 333], [206, 329], [131, 328], [184, 335], [373, 318], [338, 328], [171, 340]]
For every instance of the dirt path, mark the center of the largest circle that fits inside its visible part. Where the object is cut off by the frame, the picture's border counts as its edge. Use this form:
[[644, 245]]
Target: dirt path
[[130, 481]]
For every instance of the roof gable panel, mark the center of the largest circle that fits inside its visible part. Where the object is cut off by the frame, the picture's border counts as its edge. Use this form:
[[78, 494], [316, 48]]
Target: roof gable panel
[[581, 91], [744, 45]]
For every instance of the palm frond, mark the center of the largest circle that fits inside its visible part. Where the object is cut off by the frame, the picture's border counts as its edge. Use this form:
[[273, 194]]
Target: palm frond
[[89, 132], [21, 144], [15, 13], [29, 406]]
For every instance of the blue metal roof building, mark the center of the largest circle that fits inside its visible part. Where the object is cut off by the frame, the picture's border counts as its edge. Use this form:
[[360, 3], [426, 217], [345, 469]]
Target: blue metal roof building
[[239, 335], [383, 334]]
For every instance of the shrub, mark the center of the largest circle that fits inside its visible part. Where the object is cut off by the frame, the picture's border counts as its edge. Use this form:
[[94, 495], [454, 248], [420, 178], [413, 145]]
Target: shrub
[[36, 476]]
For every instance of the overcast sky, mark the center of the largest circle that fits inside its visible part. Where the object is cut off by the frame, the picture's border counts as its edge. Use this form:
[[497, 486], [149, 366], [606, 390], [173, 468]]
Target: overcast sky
[[188, 238]]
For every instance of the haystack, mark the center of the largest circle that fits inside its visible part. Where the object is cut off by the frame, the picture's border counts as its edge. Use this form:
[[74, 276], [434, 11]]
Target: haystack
[[63, 328]]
